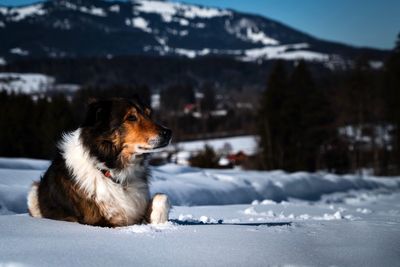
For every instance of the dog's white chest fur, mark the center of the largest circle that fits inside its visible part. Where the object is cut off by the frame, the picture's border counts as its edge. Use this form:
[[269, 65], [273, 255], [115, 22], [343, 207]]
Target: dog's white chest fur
[[125, 201]]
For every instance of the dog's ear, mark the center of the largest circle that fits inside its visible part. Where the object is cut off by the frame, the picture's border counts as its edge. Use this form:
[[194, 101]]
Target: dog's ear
[[97, 114], [146, 109]]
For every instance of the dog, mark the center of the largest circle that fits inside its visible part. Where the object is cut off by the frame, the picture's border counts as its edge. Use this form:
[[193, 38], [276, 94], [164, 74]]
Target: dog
[[99, 175]]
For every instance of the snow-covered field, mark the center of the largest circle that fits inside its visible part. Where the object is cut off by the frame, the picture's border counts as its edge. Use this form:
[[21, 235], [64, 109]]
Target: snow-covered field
[[265, 218], [247, 144], [27, 83]]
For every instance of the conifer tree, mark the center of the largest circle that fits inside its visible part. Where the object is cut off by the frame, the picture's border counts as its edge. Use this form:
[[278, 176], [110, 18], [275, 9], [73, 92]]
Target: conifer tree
[[272, 125], [311, 119], [392, 100]]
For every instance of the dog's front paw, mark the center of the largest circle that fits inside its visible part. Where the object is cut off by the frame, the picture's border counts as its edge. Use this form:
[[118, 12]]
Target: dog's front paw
[[160, 207]]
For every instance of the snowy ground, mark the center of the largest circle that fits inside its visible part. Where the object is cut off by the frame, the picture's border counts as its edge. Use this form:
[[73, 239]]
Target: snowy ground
[[27, 83], [182, 151], [247, 144], [272, 218]]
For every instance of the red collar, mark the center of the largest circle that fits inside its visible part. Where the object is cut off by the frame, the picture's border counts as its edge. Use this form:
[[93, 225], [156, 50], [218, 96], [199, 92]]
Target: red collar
[[106, 173]]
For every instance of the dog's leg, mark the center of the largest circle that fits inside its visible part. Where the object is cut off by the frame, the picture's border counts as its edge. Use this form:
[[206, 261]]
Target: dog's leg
[[33, 201], [158, 209]]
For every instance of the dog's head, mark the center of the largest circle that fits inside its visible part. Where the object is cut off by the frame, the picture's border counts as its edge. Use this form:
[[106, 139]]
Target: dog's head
[[115, 130]]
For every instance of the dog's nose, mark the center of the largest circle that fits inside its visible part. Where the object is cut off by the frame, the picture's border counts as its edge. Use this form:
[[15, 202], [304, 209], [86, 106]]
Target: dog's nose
[[166, 133]]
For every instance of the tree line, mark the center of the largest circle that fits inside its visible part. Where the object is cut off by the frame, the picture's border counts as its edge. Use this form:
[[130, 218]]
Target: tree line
[[32, 125], [349, 123]]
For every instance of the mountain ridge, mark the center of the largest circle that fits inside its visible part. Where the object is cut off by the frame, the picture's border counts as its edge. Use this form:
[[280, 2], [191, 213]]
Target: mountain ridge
[[76, 28]]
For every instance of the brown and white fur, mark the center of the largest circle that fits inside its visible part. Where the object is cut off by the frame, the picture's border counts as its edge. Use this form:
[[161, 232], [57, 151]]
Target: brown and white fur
[[100, 174]]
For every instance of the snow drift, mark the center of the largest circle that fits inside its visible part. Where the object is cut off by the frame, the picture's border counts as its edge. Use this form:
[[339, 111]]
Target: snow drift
[[188, 186]]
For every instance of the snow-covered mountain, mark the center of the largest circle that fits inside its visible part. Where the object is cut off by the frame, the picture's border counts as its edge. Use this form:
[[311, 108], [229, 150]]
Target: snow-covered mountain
[[75, 28]]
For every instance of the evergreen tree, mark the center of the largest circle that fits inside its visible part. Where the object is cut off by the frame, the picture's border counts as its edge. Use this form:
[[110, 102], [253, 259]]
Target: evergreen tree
[[392, 101], [311, 120], [295, 120], [273, 129]]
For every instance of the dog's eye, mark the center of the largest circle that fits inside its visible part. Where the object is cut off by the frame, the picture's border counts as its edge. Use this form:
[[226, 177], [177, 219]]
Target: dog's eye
[[131, 118]]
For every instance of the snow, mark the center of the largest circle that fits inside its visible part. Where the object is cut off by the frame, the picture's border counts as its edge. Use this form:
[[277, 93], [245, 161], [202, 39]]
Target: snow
[[190, 53], [301, 54], [95, 11], [2, 61], [202, 12], [247, 30], [185, 52], [23, 164], [184, 22], [199, 25], [326, 220], [141, 23], [247, 144], [284, 52], [375, 64], [156, 7], [176, 32], [260, 37], [3, 10], [114, 8], [377, 134], [20, 13], [167, 10], [19, 51], [64, 24], [28, 83], [192, 186], [92, 10]]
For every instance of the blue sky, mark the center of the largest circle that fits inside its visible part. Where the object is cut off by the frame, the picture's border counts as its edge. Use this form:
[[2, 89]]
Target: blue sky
[[373, 23]]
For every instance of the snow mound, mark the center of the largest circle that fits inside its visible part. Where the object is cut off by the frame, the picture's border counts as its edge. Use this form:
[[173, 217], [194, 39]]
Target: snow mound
[[188, 186], [191, 186], [23, 164]]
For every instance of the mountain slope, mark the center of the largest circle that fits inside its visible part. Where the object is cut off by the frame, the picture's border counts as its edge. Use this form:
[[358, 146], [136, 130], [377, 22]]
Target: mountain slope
[[75, 28]]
